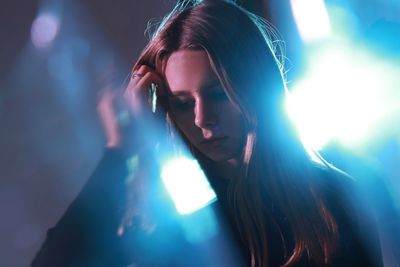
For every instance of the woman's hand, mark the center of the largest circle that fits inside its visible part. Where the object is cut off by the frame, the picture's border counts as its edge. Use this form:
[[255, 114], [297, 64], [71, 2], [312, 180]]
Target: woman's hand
[[119, 111], [128, 125], [108, 115], [137, 93]]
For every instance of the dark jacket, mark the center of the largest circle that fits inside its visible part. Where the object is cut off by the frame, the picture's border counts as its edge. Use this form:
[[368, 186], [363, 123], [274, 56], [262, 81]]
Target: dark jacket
[[86, 235]]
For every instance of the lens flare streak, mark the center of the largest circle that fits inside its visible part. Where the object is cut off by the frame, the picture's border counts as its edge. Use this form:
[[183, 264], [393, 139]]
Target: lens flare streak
[[186, 184]]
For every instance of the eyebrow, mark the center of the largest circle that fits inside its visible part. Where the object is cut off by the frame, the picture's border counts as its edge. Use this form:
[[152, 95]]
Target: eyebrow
[[210, 84]]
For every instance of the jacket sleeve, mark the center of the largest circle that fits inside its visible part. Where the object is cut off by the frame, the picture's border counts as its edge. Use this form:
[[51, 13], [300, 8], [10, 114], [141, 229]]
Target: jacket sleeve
[[86, 233]]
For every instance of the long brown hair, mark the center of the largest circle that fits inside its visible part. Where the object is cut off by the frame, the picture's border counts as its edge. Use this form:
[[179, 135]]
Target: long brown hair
[[247, 59]]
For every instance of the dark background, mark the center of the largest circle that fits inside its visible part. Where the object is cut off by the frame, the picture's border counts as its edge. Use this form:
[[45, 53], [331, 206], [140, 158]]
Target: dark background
[[50, 135]]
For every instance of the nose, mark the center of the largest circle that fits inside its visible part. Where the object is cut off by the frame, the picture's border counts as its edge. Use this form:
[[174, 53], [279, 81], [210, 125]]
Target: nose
[[205, 117]]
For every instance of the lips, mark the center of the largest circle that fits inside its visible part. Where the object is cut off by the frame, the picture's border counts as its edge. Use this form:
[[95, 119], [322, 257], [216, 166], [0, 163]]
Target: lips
[[214, 141]]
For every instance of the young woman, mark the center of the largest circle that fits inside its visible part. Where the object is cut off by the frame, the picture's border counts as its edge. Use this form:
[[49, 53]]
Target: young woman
[[220, 80]]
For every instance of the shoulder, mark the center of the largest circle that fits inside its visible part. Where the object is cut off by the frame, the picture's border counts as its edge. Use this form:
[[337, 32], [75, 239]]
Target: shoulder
[[365, 195], [347, 198], [333, 182]]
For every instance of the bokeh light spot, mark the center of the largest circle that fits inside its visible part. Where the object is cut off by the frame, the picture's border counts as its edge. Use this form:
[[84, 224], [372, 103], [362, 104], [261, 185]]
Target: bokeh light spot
[[44, 30]]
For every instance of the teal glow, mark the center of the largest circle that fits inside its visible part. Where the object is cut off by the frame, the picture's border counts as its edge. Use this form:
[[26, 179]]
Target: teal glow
[[187, 185], [346, 97], [312, 19]]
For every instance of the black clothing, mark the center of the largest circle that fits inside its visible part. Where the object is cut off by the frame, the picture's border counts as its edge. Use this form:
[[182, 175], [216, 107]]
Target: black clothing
[[87, 236]]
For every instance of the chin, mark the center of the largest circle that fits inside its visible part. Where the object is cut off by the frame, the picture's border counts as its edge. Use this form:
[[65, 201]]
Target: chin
[[220, 154], [219, 157]]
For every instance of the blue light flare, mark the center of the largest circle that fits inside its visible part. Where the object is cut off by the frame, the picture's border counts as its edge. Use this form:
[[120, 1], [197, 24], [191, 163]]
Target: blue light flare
[[345, 97], [186, 184], [312, 19]]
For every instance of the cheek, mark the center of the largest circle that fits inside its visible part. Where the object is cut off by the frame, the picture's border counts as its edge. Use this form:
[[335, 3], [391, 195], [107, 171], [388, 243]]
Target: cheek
[[235, 127], [231, 117], [185, 123]]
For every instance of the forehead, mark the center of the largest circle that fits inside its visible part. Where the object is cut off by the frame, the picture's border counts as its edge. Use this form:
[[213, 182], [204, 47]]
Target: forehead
[[188, 71]]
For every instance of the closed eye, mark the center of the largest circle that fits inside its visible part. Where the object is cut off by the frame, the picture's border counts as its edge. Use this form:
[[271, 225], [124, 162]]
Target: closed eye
[[214, 94]]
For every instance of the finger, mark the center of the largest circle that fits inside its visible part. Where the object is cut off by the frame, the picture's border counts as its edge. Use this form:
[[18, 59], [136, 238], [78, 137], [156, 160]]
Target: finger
[[144, 68], [137, 91], [105, 109], [140, 72], [138, 76], [137, 88], [145, 82]]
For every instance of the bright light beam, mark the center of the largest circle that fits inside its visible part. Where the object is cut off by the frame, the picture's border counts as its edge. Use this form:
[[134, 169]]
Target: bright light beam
[[312, 19], [344, 97], [187, 185]]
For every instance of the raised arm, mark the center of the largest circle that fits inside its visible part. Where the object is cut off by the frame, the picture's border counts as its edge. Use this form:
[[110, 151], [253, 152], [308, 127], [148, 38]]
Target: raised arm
[[87, 234]]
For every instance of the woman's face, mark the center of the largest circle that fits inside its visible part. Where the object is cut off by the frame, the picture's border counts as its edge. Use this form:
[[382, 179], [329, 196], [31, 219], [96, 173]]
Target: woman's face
[[200, 107]]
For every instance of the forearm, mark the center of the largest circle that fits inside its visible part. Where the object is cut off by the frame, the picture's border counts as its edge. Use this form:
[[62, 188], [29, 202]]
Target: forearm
[[91, 218]]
